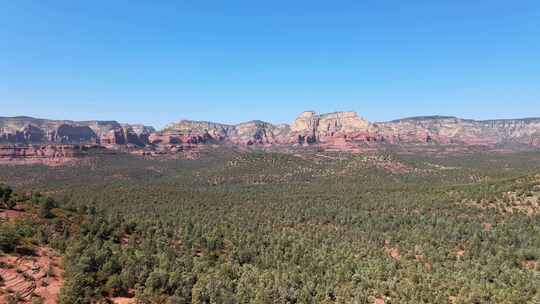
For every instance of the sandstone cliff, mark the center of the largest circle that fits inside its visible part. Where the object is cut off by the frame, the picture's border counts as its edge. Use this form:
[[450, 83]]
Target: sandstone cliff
[[310, 127], [446, 130], [200, 132], [28, 130], [339, 129]]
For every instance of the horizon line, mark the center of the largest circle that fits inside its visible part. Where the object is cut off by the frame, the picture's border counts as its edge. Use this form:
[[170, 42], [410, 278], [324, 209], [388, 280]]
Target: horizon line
[[433, 116]]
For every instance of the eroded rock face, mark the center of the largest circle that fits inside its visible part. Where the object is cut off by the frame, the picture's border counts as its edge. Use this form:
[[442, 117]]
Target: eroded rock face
[[201, 132], [338, 131], [335, 127], [306, 121], [113, 137], [341, 122], [200, 129], [447, 130], [138, 134], [27, 130], [260, 132]]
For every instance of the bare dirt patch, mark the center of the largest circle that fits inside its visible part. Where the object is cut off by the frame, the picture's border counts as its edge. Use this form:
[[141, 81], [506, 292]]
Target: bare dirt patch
[[122, 300], [393, 253], [531, 265], [7, 214]]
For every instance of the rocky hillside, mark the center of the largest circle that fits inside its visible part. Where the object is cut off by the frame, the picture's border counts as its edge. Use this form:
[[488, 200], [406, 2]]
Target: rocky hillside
[[339, 129]]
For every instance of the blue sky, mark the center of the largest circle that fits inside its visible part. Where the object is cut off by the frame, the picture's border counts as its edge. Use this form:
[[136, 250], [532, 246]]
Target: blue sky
[[232, 61]]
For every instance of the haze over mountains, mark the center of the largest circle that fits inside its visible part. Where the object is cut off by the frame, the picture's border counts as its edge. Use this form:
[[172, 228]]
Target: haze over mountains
[[309, 128]]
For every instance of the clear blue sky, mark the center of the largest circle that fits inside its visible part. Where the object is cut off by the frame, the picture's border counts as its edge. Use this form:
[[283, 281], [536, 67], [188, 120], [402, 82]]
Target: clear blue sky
[[231, 61]]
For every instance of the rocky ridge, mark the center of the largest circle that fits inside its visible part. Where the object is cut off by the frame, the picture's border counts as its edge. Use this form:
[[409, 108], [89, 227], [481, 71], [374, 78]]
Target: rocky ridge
[[339, 130], [453, 130]]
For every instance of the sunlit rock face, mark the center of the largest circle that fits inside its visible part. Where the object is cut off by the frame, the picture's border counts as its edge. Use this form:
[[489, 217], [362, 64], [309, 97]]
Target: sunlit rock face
[[447, 130], [310, 127], [260, 132], [28, 130], [338, 129], [192, 132], [342, 127], [307, 128], [200, 132]]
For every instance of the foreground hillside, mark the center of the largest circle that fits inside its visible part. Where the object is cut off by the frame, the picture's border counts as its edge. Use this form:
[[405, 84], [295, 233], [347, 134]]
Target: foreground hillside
[[313, 227], [33, 233]]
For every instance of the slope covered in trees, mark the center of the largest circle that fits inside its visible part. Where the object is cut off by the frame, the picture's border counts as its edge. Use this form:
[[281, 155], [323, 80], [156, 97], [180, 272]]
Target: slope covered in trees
[[256, 227]]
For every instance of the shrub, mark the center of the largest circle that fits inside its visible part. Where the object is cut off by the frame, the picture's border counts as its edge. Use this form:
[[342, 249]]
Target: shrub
[[45, 206], [9, 239]]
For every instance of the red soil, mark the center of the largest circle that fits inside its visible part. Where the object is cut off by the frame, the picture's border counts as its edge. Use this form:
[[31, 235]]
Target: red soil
[[37, 275]]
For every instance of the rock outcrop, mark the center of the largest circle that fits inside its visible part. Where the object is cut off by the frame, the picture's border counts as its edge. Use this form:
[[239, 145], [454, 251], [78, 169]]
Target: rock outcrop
[[310, 128], [202, 132], [453, 130], [28, 130], [260, 133], [192, 132]]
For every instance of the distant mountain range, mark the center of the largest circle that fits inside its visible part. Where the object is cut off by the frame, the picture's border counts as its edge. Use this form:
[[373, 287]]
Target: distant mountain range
[[338, 129]]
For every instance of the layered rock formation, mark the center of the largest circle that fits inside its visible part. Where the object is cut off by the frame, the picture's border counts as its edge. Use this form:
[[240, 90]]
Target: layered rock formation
[[42, 154], [343, 128], [28, 130], [310, 128], [340, 130], [201, 132], [452, 130]]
